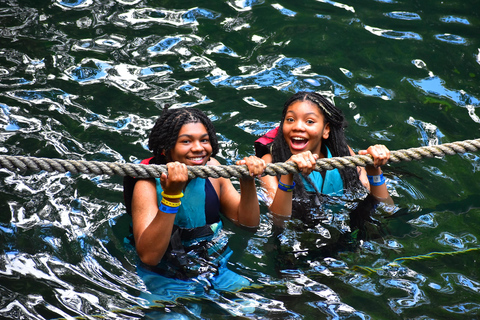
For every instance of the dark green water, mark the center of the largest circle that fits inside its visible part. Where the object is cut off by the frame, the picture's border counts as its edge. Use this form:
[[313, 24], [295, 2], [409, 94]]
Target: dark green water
[[87, 79]]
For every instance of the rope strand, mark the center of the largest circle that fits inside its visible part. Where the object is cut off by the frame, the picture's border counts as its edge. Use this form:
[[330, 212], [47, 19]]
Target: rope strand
[[154, 171]]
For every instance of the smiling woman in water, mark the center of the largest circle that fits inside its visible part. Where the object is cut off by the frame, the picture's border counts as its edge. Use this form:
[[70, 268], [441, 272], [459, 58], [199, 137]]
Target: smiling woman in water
[[176, 222], [312, 128]]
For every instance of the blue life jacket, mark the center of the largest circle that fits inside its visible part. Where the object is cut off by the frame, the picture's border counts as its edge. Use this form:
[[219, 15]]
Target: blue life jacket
[[197, 244], [331, 185], [196, 207]]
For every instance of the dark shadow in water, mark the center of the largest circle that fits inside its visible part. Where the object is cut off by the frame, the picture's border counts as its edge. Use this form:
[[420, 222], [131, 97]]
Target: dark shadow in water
[[300, 241]]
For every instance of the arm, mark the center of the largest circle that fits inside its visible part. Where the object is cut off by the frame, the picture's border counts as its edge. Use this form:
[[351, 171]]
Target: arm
[[243, 208], [380, 155], [152, 228], [281, 201]]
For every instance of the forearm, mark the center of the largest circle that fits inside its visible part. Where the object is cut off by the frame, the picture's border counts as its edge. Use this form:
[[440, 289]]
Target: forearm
[[248, 209], [153, 242], [380, 192], [282, 201]]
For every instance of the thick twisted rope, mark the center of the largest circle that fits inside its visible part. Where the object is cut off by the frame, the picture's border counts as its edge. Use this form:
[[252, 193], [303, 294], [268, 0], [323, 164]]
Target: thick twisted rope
[[273, 169]]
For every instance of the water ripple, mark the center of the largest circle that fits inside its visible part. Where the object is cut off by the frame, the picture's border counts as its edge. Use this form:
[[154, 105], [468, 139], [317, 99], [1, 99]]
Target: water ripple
[[244, 5], [402, 15], [415, 296], [393, 34], [84, 79], [456, 242], [283, 10], [434, 85], [285, 74], [377, 91], [144, 17], [454, 19], [338, 5], [451, 38], [425, 221], [468, 308], [74, 4], [430, 135]]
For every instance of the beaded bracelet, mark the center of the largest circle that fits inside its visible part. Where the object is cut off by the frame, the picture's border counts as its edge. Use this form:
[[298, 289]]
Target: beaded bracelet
[[172, 196], [170, 204], [376, 180], [285, 187], [167, 209]]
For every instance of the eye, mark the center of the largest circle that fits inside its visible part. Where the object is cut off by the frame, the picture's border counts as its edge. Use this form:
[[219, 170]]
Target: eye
[[309, 121], [290, 119], [205, 140]]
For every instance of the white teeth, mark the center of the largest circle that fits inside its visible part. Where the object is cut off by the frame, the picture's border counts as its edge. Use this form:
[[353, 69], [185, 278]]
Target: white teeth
[[297, 138], [196, 159]]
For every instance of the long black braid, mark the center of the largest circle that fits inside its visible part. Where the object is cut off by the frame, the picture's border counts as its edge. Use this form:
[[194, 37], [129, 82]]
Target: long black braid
[[163, 136], [336, 142]]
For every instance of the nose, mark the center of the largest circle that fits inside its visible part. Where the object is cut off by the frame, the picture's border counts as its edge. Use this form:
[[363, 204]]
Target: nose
[[299, 125], [197, 146]]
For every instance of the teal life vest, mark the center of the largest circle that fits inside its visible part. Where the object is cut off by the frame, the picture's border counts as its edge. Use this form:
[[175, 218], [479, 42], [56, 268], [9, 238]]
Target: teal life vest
[[196, 247], [191, 217], [198, 243], [331, 185]]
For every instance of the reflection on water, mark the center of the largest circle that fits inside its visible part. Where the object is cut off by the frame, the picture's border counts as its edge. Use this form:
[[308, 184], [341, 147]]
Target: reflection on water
[[87, 79]]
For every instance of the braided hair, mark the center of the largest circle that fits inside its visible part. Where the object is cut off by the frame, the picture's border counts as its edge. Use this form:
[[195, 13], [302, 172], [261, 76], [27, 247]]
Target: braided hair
[[164, 134], [336, 141]]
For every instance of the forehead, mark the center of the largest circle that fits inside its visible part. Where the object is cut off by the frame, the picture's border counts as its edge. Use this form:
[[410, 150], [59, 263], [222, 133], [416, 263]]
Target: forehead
[[195, 128], [303, 108]]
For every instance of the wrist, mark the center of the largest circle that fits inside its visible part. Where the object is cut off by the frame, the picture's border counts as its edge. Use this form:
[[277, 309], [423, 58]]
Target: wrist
[[373, 171], [247, 179], [286, 187], [176, 196], [170, 207], [287, 179], [376, 180]]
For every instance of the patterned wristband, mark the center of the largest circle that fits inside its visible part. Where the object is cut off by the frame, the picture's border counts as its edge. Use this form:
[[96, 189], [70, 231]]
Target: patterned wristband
[[285, 187], [167, 209], [376, 180], [171, 204]]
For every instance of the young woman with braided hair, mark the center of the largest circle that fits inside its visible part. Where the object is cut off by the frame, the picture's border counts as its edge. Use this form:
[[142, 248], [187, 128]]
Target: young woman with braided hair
[[311, 128], [176, 223]]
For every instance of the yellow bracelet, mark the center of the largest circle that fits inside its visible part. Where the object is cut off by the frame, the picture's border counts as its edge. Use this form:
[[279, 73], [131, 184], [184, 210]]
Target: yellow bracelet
[[171, 204], [172, 196]]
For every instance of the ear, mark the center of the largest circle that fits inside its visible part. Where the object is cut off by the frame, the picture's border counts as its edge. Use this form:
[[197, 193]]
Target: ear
[[326, 131]]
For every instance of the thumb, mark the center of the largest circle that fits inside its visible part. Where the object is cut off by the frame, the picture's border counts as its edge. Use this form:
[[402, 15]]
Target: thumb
[[163, 179], [362, 152]]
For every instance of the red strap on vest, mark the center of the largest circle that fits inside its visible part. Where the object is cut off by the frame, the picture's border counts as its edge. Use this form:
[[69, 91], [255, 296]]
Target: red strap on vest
[[146, 161], [268, 137]]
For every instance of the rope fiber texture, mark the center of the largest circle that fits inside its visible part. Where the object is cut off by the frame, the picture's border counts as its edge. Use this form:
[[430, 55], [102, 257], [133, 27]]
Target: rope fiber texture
[[154, 171]]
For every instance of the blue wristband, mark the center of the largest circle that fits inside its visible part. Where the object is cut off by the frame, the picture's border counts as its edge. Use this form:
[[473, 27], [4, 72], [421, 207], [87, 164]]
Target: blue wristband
[[285, 187], [376, 180], [167, 209]]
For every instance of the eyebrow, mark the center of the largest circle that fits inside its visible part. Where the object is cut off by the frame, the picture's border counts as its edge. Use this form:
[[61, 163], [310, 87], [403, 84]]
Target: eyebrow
[[309, 113], [191, 136]]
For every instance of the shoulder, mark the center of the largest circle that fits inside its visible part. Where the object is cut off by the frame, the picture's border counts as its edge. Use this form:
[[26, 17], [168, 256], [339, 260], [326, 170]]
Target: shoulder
[[267, 158], [213, 162], [143, 185]]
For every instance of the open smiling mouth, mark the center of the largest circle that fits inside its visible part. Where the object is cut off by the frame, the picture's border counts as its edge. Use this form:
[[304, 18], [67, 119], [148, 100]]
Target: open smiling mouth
[[298, 143], [197, 160]]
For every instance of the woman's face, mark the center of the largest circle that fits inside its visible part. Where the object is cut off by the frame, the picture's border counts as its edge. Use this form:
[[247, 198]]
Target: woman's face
[[304, 127], [193, 145]]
